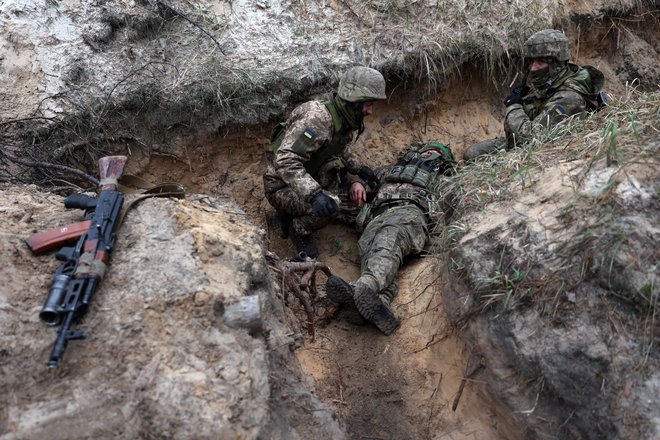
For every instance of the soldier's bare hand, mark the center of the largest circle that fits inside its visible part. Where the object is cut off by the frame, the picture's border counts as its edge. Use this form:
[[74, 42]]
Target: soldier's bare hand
[[358, 194]]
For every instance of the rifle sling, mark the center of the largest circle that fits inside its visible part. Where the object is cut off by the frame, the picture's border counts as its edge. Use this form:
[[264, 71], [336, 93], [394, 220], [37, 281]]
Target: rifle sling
[[51, 238], [129, 184]]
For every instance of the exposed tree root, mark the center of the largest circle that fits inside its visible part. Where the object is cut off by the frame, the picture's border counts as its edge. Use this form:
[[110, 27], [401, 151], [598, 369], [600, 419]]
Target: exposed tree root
[[31, 163], [299, 277]]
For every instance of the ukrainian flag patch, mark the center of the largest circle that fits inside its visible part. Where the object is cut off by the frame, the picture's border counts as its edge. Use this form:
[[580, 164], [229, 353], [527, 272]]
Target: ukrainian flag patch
[[304, 142]]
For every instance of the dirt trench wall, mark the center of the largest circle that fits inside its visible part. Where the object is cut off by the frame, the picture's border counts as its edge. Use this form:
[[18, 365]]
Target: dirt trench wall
[[138, 76], [190, 141], [159, 361], [559, 289]]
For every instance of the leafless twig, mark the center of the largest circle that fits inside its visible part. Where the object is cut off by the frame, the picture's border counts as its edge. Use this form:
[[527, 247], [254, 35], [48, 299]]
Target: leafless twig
[[180, 14], [130, 74], [16, 121], [470, 370], [300, 277], [36, 164]]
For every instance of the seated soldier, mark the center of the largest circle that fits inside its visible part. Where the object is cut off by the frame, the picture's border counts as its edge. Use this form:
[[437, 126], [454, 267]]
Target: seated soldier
[[396, 224], [553, 89]]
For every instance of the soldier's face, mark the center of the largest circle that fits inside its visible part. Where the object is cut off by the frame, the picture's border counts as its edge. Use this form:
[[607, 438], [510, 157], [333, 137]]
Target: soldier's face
[[367, 108], [430, 154], [538, 64]]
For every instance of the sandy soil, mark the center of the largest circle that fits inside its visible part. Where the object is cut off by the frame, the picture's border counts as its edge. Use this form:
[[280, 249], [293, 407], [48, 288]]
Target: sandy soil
[[398, 387]]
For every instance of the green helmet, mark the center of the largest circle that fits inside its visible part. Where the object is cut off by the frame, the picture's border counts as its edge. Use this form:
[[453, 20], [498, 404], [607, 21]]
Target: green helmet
[[547, 43], [360, 84]]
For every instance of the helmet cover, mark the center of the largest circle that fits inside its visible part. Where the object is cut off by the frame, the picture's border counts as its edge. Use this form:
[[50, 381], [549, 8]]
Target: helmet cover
[[547, 43], [360, 84]]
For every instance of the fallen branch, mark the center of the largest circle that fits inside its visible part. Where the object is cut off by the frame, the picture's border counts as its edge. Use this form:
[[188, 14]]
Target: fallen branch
[[59, 152], [36, 164], [17, 121], [470, 371], [299, 277]]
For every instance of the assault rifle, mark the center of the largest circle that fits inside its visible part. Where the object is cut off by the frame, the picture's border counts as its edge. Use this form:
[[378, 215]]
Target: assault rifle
[[84, 264]]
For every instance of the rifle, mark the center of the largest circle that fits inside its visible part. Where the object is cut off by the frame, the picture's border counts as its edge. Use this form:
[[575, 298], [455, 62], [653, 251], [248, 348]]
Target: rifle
[[75, 281]]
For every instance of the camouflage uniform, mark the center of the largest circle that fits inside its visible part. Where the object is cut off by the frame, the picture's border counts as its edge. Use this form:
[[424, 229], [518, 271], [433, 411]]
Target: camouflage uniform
[[310, 154], [574, 92], [568, 89], [396, 224], [288, 184]]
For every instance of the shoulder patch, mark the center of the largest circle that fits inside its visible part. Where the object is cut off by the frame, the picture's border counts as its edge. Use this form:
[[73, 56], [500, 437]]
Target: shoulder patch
[[304, 141]]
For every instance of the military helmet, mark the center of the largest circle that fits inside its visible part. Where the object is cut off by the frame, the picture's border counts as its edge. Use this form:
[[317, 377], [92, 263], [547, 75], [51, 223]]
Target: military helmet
[[547, 43], [360, 84]]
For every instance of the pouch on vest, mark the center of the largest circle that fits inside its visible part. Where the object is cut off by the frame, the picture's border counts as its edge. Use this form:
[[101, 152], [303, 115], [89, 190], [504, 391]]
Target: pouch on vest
[[395, 174], [409, 172], [401, 173], [422, 178]]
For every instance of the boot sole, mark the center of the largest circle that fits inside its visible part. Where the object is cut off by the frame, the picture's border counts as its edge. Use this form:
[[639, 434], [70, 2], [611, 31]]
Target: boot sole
[[375, 309], [340, 292]]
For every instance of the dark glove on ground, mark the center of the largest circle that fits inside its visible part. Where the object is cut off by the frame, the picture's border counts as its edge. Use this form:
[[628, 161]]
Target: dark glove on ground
[[324, 205], [367, 174], [517, 94]]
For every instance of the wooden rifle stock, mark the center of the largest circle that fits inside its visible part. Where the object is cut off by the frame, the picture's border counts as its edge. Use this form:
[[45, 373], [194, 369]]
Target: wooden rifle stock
[[55, 237]]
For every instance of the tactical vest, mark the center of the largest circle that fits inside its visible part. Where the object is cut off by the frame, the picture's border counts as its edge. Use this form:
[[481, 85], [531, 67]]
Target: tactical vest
[[341, 136], [415, 171], [412, 169]]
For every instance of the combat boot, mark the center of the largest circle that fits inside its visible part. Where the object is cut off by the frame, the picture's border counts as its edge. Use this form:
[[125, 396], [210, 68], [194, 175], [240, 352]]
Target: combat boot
[[375, 308], [371, 306], [341, 293], [390, 292], [485, 147], [303, 243]]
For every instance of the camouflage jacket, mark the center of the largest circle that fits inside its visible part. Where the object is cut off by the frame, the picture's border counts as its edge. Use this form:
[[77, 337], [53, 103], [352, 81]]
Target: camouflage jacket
[[309, 129], [573, 93]]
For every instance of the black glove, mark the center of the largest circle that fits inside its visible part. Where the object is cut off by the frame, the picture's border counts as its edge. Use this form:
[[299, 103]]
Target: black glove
[[367, 174], [324, 205], [516, 96]]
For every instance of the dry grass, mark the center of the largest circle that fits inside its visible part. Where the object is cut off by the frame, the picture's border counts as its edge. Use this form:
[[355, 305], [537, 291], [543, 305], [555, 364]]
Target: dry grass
[[618, 144], [431, 40], [622, 134], [425, 40]]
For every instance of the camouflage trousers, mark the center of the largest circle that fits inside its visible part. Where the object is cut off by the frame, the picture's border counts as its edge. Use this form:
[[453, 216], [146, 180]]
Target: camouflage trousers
[[304, 220], [390, 236]]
